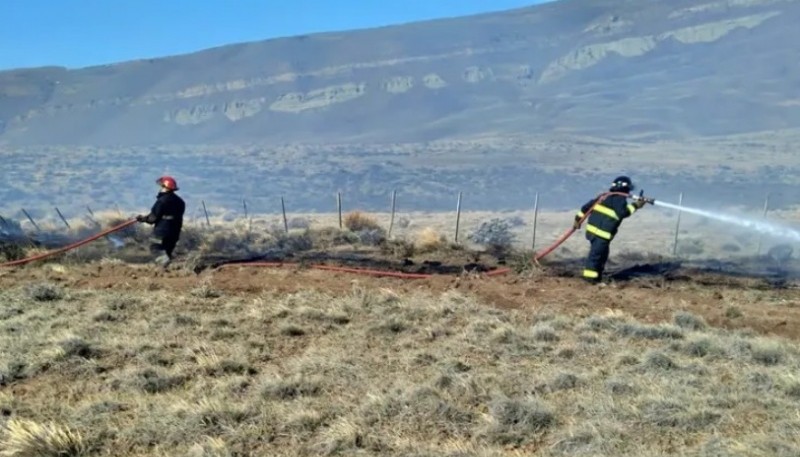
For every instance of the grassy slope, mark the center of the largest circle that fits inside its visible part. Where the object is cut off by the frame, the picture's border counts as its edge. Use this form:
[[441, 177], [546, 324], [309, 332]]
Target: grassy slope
[[374, 373]]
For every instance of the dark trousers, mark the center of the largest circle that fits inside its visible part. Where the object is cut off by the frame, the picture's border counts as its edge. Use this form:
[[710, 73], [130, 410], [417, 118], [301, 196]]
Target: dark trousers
[[597, 258], [159, 246]]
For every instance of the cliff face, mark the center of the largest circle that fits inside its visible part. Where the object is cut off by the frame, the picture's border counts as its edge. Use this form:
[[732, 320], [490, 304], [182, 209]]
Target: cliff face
[[612, 68]]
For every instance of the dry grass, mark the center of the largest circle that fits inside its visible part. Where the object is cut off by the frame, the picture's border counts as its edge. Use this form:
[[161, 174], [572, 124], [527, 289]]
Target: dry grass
[[429, 240], [358, 221], [645, 238], [25, 438], [374, 372]]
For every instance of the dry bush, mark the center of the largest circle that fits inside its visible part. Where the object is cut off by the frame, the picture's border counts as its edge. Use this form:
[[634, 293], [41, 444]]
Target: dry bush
[[10, 251], [357, 221], [398, 248], [517, 421], [330, 237], [24, 438], [299, 223], [429, 240], [45, 292]]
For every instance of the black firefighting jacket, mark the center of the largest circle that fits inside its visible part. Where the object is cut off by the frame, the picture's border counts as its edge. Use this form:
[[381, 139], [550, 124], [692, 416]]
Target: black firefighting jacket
[[167, 215], [606, 216]]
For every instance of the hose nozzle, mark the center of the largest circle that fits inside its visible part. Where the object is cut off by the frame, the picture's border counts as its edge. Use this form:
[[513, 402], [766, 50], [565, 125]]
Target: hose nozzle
[[641, 197]]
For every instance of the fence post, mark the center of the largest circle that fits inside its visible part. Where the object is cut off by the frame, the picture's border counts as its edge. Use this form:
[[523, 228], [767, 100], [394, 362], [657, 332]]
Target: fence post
[[91, 215], [35, 225], [391, 220], [677, 227], [766, 210], [535, 220], [458, 215], [63, 219], [339, 208], [205, 211], [285, 222], [247, 216]]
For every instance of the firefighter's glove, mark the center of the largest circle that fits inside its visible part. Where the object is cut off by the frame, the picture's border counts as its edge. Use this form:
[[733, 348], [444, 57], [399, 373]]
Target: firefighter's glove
[[576, 224], [639, 203], [141, 218]]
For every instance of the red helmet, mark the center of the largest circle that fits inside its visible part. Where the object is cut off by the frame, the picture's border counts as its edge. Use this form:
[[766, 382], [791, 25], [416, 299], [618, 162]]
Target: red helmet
[[167, 182]]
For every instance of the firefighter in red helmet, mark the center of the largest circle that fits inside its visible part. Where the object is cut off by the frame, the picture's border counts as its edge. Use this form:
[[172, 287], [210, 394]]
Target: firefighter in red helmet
[[166, 216]]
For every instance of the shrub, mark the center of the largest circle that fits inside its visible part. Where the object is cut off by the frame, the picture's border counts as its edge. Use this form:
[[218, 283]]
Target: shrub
[[10, 252], [689, 321], [768, 354], [329, 237], [45, 292], [357, 221], [517, 421], [429, 240], [372, 237], [544, 332], [494, 234], [296, 242], [298, 223]]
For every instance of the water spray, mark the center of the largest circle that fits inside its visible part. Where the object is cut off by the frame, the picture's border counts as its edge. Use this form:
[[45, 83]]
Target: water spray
[[761, 226]]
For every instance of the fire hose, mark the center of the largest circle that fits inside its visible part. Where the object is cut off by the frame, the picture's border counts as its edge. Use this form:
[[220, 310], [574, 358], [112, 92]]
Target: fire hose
[[69, 247], [395, 274]]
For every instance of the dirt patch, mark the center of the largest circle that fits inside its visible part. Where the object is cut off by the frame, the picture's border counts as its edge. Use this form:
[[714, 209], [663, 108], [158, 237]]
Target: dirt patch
[[649, 295], [453, 263]]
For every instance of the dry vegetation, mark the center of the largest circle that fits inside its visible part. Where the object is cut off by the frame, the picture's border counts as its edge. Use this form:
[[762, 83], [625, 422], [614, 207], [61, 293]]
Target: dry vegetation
[[376, 372], [213, 371], [650, 232]]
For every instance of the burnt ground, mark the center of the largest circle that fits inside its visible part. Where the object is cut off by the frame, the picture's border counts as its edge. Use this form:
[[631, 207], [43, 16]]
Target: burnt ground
[[733, 296]]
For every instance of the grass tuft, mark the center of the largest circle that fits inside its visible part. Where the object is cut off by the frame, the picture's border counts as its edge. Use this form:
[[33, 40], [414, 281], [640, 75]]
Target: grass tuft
[[518, 421], [45, 292], [689, 321], [24, 438]]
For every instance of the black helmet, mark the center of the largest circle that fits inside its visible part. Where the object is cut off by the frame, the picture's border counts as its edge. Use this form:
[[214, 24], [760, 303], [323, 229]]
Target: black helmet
[[622, 184]]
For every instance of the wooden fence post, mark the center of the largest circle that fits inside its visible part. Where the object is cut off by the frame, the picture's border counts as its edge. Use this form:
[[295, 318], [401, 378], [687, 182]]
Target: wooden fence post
[[677, 226], [63, 219], [339, 208], [35, 225], [766, 210], [535, 220], [285, 221], [458, 215], [247, 216], [205, 211], [391, 220]]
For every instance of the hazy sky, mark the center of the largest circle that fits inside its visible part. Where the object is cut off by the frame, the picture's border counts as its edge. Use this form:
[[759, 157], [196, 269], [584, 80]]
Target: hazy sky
[[79, 33]]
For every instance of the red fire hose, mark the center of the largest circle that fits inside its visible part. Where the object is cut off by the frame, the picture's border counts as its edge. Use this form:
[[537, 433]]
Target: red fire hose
[[69, 247], [394, 274], [541, 254]]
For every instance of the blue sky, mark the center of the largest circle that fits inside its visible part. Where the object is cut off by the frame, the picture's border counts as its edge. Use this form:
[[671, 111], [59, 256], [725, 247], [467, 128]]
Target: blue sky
[[79, 33]]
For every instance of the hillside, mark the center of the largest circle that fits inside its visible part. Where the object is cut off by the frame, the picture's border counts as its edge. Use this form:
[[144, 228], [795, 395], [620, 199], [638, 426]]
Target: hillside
[[687, 96], [601, 68]]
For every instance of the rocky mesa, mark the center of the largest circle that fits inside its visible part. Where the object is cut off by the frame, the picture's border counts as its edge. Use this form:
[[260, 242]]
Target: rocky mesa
[[612, 68]]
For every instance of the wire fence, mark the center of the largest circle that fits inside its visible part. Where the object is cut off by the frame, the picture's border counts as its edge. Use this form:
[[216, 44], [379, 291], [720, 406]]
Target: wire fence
[[668, 233]]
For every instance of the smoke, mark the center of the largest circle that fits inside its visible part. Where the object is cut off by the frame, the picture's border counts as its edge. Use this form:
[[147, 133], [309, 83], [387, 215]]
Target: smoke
[[762, 226]]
